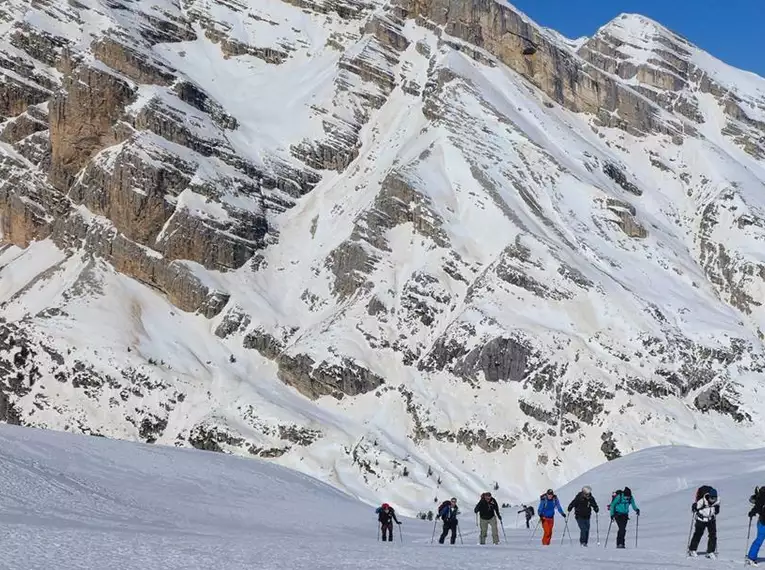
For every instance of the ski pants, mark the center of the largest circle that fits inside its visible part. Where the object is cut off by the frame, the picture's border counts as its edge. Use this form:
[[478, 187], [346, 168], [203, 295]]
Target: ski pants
[[584, 530], [528, 518], [387, 528], [485, 529], [547, 528], [711, 528], [621, 523], [449, 525], [755, 549]]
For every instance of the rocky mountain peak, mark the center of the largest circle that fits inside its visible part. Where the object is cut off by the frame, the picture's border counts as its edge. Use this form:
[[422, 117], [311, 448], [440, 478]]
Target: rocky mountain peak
[[635, 29], [389, 235]]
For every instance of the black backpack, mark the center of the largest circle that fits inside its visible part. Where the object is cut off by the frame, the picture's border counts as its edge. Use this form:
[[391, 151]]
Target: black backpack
[[758, 497], [705, 490]]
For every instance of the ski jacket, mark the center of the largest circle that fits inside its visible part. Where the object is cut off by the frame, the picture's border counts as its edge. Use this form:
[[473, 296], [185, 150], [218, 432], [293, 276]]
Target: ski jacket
[[621, 505], [706, 511], [528, 511], [448, 513], [583, 505], [487, 509], [547, 507], [385, 516]]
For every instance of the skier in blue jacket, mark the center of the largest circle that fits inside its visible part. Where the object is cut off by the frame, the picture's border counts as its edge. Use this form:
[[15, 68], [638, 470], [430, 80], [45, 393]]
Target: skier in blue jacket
[[758, 510], [620, 509], [548, 504], [448, 512]]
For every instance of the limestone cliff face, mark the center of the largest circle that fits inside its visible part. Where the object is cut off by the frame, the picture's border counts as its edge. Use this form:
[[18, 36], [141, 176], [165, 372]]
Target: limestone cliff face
[[565, 78]]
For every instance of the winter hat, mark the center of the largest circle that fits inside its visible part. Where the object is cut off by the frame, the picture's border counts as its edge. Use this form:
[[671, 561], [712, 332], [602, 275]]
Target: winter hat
[[386, 506], [454, 499], [587, 490], [550, 492], [628, 491]]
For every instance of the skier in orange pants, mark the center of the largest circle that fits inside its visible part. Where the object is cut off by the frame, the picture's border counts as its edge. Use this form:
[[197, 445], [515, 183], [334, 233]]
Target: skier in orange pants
[[548, 504]]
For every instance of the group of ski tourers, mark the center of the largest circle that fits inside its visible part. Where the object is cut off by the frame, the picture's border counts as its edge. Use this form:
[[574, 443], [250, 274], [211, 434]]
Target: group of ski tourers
[[705, 509]]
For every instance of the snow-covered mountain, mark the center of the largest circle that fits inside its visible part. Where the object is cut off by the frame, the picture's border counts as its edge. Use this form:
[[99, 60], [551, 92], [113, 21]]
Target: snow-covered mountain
[[411, 246], [76, 503]]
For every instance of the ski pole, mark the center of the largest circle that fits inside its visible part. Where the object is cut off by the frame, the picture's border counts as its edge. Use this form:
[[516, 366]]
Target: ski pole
[[637, 529], [608, 533], [502, 524], [432, 538], [597, 527], [565, 528], [748, 536], [400, 534], [534, 532], [716, 542], [460, 533], [690, 531], [563, 536], [378, 532]]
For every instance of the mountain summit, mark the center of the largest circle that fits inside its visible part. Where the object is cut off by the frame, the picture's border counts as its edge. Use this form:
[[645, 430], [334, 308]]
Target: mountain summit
[[403, 246]]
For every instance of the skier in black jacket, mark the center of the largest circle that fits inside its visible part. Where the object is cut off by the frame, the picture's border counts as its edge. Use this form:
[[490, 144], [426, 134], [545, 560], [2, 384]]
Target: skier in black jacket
[[385, 516], [528, 512], [488, 509], [583, 505]]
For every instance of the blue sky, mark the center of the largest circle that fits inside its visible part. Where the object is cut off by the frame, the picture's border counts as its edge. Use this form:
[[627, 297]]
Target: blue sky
[[731, 30]]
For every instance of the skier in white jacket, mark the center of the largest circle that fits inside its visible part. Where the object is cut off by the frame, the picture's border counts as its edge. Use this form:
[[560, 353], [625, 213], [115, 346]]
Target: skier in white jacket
[[705, 512]]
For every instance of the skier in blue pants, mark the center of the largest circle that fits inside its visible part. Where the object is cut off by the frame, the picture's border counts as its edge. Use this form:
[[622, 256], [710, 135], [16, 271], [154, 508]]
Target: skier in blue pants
[[758, 499]]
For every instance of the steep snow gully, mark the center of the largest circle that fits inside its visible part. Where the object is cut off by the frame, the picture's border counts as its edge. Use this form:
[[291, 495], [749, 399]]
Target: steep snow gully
[[72, 502]]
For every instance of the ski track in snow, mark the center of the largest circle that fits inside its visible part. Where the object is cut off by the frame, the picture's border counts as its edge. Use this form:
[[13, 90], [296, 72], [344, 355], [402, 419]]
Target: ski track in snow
[[73, 502]]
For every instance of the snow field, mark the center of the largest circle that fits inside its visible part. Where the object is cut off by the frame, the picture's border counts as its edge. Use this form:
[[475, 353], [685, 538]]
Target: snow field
[[72, 502]]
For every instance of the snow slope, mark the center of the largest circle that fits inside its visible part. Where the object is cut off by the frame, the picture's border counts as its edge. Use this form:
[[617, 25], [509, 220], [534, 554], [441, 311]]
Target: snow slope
[[74, 503], [340, 236]]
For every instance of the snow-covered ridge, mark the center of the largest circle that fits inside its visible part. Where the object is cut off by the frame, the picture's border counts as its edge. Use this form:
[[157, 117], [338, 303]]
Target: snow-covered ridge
[[377, 241]]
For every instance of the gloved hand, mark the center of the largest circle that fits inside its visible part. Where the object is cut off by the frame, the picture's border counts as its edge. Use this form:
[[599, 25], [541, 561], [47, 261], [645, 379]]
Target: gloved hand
[[564, 517], [398, 522], [752, 513], [694, 508], [596, 509], [637, 511]]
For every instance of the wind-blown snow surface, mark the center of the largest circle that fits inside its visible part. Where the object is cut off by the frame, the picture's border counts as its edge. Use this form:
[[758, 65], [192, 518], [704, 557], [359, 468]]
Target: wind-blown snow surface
[[73, 503]]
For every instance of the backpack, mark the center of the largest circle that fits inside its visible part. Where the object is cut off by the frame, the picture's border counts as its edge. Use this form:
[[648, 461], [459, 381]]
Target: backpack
[[442, 506], [758, 496], [705, 490]]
